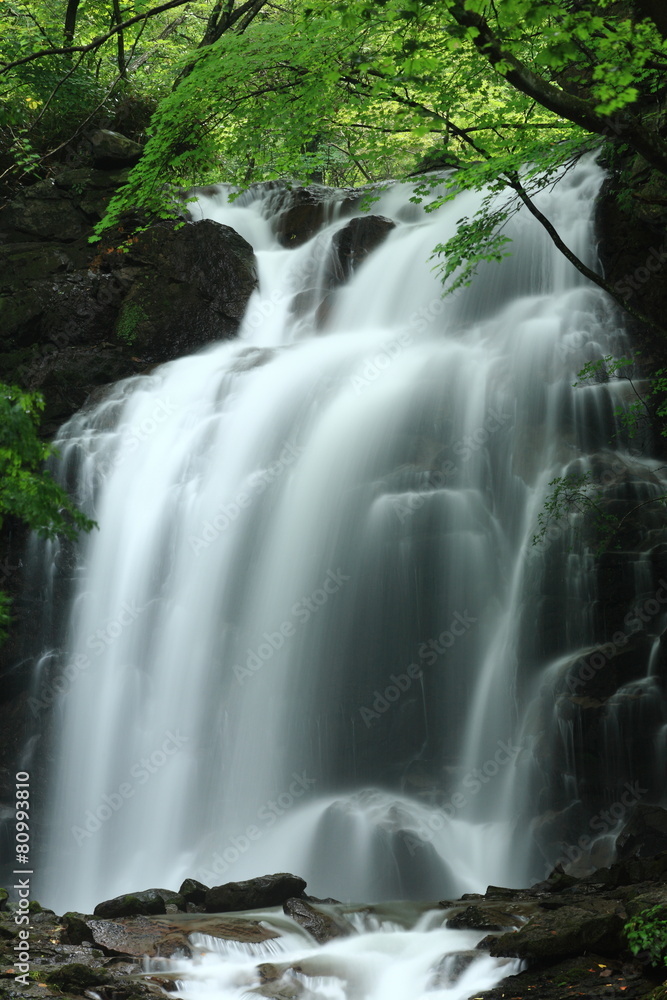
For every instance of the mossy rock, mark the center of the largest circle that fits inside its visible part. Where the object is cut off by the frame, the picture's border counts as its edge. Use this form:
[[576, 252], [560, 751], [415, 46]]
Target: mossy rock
[[76, 978], [75, 930]]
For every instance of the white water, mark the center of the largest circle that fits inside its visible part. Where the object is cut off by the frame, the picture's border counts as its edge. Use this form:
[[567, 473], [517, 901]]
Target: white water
[[298, 636], [385, 960]]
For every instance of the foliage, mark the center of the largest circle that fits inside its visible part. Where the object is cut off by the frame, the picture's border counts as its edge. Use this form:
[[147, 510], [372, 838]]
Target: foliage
[[27, 491], [577, 492], [647, 934], [651, 406]]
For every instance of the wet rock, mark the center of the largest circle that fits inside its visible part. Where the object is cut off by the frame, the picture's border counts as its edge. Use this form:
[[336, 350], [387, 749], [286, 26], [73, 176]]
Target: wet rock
[[168, 935], [193, 891], [482, 919], [322, 926], [111, 149], [151, 901], [301, 211], [644, 834], [256, 893], [562, 933], [77, 978], [592, 977], [44, 212], [451, 967], [353, 243], [75, 930], [190, 288]]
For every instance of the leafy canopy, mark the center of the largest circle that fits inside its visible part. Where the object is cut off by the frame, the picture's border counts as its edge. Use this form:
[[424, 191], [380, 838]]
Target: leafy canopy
[[28, 491]]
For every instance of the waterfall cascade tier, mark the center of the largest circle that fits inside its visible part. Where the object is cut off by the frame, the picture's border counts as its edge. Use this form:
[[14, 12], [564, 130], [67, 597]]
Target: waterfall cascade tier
[[312, 632]]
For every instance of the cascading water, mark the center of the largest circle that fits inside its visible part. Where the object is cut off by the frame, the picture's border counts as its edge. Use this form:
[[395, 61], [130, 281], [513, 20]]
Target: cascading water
[[306, 632]]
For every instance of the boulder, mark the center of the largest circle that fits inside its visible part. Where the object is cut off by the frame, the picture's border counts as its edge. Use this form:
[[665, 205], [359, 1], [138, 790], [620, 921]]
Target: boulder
[[111, 149], [255, 894], [352, 244], [564, 932], [193, 891], [151, 901], [300, 212], [322, 926], [189, 287]]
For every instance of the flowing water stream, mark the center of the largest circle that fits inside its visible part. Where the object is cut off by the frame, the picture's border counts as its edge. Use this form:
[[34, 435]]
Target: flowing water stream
[[305, 635]]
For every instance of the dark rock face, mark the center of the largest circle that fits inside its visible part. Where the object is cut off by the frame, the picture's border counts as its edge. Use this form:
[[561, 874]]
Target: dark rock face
[[644, 834], [299, 212], [256, 893], [356, 240], [75, 316], [190, 287], [350, 246]]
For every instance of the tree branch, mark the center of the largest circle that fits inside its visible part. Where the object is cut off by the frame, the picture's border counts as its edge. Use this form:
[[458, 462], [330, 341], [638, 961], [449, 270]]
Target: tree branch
[[565, 105], [96, 42]]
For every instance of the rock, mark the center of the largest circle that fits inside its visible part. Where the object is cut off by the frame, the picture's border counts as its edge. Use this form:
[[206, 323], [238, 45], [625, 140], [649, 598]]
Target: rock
[[191, 288], [255, 894], [591, 977], [75, 930], [482, 919], [193, 891], [451, 967], [45, 213], [165, 936], [151, 901], [4, 897], [111, 149], [322, 926], [353, 243], [554, 934], [77, 978], [349, 248], [300, 212], [644, 834]]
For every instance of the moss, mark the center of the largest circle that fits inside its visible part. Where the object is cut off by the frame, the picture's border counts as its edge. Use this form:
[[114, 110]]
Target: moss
[[77, 978], [131, 315]]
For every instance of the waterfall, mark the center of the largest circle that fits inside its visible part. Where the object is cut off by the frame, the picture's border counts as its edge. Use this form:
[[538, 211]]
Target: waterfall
[[311, 629]]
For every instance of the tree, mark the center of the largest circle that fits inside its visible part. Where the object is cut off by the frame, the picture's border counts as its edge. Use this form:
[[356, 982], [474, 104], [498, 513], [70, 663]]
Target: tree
[[27, 491], [500, 85]]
